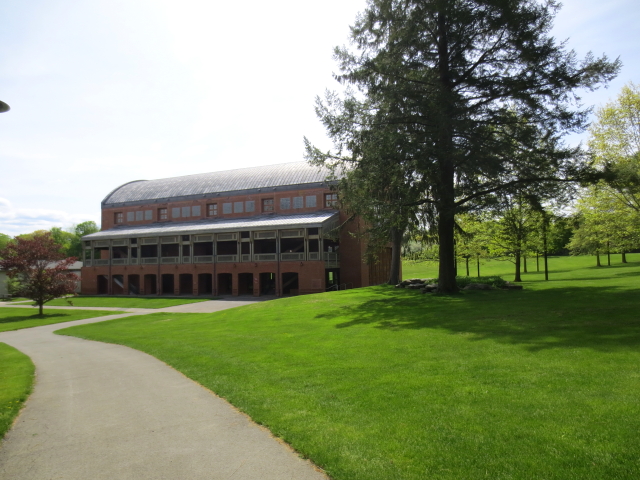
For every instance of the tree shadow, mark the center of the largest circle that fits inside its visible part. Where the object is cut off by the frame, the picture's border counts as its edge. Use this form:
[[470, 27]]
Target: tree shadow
[[627, 274], [600, 318], [35, 316]]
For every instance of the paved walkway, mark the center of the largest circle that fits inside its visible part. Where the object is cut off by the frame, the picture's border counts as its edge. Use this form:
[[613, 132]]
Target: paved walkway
[[102, 411]]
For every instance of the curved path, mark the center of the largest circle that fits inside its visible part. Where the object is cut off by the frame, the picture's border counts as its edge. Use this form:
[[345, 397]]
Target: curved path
[[102, 411]]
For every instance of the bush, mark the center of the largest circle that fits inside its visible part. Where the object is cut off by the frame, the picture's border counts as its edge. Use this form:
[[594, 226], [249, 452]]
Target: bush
[[494, 281]]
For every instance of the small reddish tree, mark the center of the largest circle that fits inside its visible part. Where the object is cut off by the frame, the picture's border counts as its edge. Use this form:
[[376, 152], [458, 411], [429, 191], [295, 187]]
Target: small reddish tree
[[40, 267]]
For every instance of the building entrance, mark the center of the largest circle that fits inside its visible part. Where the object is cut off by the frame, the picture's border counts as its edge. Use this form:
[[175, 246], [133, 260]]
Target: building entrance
[[205, 284], [167, 284], [245, 283], [225, 284]]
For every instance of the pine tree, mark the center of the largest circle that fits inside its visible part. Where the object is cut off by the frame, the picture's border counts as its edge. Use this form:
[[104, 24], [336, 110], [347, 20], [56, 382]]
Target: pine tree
[[481, 93]]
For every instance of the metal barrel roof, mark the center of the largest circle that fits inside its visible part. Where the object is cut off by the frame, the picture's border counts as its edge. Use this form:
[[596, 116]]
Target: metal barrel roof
[[259, 222], [285, 174]]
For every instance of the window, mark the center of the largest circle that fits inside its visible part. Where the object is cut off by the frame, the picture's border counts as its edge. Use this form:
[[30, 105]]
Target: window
[[238, 207], [195, 211], [175, 212], [285, 203], [330, 200], [311, 201], [297, 202], [118, 218], [250, 206], [227, 208], [130, 216], [212, 210], [186, 212], [148, 214], [267, 204], [139, 215], [162, 214], [186, 238]]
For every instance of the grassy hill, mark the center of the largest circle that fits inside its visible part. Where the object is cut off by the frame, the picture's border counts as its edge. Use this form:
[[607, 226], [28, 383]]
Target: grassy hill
[[385, 383]]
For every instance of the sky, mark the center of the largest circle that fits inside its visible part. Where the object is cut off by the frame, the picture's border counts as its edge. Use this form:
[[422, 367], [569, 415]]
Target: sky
[[106, 92]]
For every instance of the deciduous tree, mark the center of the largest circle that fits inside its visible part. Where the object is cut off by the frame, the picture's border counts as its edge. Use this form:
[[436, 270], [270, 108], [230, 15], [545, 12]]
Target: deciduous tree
[[37, 262], [606, 225], [79, 231], [4, 240], [615, 144]]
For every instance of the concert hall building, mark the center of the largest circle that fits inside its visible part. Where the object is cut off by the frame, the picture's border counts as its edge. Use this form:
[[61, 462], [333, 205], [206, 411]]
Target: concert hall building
[[272, 230]]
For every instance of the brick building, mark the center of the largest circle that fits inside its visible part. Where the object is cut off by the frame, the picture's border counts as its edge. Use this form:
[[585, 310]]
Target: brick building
[[270, 230]]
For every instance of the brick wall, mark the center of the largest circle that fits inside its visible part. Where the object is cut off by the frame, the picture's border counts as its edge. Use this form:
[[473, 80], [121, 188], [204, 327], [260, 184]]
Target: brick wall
[[238, 204]]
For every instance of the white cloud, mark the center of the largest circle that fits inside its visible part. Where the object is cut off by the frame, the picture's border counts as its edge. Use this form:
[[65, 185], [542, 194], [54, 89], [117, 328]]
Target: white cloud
[[15, 221]]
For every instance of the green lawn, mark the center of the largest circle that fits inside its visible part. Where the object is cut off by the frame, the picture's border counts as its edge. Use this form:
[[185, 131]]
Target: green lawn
[[385, 383], [17, 318], [125, 302], [506, 269], [16, 380], [18, 299]]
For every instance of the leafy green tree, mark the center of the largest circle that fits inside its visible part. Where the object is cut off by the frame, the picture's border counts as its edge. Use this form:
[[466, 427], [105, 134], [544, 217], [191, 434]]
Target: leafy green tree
[[514, 224], [4, 240], [551, 235], [481, 94], [472, 239], [79, 231], [606, 225], [63, 239], [615, 144]]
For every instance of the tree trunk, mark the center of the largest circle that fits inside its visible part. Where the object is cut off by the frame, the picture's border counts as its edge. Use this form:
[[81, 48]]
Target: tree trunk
[[608, 255], [598, 264], [524, 259], [624, 257], [40, 306], [537, 262], [396, 245], [517, 277], [467, 260], [544, 247], [546, 266], [445, 190], [478, 262], [446, 269]]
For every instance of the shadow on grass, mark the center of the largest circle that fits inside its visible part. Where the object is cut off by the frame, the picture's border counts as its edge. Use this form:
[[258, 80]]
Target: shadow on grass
[[627, 274], [604, 319], [35, 316]]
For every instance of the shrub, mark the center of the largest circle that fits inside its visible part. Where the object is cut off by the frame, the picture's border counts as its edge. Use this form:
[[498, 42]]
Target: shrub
[[493, 280]]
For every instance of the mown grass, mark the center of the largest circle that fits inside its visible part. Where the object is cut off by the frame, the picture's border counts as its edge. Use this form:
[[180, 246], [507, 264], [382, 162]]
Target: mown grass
[[18, 299], [18, 318], [506, 269], [385, 383], [16, 381], [124, 302]]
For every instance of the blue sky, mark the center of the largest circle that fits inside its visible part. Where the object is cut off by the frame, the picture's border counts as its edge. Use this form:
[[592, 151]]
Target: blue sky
[[106, 92]]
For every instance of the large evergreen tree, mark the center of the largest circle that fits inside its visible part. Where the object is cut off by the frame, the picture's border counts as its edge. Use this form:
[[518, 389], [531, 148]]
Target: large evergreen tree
[[481, 93]]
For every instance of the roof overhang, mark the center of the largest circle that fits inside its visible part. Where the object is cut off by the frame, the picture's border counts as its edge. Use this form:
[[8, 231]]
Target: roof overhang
[[326, 219]]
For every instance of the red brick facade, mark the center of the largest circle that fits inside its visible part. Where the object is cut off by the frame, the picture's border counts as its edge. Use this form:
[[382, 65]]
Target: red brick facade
[[116, 263]]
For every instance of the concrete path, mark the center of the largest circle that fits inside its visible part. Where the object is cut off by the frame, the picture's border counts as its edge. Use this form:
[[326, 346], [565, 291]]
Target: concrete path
[[101, 411]]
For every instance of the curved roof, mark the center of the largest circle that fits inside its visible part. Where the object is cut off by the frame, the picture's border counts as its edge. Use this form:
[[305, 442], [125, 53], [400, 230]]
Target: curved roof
[[206, 184], [260, 222]]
